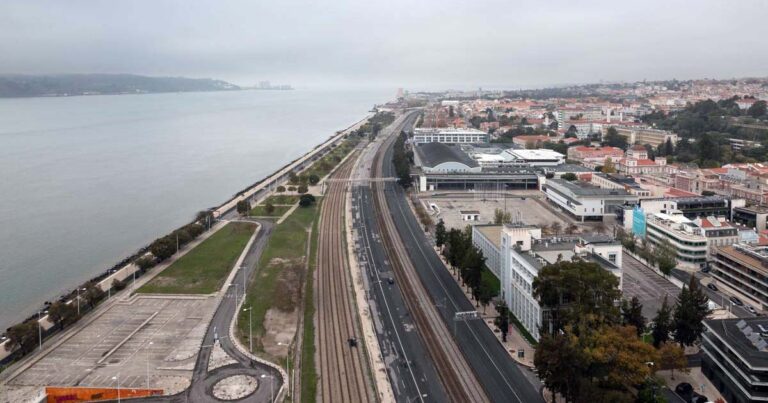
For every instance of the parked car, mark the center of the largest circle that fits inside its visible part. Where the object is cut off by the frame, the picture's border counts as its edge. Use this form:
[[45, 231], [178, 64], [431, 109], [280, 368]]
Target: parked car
[[751, 310], [391, 280], [706, 269], [712, 287], [736, 301]]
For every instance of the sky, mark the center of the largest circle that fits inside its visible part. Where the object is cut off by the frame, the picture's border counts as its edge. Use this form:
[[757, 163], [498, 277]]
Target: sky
[[395, 43]]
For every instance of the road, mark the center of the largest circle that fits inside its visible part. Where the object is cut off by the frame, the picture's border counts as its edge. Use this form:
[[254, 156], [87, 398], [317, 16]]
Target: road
[[411, 371], [202, 380], [719, 297], [500, 375]]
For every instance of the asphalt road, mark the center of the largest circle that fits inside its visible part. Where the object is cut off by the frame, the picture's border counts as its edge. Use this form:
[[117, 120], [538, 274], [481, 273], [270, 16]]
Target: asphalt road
[[202, 380], [718, 297], [501, 376]]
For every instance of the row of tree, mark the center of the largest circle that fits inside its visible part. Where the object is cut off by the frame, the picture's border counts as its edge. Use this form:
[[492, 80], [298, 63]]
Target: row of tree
[[402, 160], [466, 260], [591, 349]]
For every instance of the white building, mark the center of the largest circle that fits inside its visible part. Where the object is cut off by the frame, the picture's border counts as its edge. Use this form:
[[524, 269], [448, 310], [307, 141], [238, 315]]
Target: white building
[[449, 135], [521, 252], [585, 201], [685, 236]]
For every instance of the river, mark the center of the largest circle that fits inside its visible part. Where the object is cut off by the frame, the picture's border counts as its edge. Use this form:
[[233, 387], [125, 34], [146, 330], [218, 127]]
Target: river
[[86, 181]]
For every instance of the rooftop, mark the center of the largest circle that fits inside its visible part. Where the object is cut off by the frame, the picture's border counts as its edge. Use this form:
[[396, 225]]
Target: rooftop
[[734, 332], [433, 154], [492, 233], [585, 189]]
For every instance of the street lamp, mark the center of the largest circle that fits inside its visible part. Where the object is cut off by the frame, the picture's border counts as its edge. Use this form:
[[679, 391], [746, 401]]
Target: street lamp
[[117, 378], [250, 328], [78, 299], [148, 345], [271, 386], [40, 329]]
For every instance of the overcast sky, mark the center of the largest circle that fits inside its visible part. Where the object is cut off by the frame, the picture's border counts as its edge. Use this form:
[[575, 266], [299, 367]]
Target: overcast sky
[[410, 43]]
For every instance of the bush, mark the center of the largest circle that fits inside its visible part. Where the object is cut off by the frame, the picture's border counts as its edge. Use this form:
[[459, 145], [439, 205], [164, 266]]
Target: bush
[[291, 188], [306, 200], [280, 189], [145, 263], [302, 189], [118, 285], [269, 208], [313, 179], [163, 248]]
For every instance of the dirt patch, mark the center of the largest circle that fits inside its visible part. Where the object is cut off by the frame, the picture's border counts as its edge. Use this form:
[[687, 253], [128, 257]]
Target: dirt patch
[[288, 286], [281, 327]]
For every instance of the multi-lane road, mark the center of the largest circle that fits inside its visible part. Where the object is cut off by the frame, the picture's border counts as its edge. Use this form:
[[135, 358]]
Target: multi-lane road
[[491, 366]]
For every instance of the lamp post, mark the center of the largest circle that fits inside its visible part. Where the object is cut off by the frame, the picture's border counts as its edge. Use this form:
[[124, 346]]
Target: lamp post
[[271, 386], [117, 378], [250, 329], [40, 329], [148, 345], [78, 299]]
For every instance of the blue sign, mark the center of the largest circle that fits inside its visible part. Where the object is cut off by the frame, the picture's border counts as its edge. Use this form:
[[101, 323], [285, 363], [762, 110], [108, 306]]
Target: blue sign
[[638, 222]]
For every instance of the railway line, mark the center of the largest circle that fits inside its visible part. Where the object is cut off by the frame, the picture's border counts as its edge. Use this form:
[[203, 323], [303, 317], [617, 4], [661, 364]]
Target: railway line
[[456, 375], [344, 374]]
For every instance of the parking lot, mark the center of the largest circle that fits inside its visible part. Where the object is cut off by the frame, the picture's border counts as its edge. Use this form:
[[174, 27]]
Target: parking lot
[[521, 205], [650, 288], [147, 339]]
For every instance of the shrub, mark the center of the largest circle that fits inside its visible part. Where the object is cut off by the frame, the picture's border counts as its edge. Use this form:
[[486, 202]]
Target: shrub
[[118, 285], [280, 189], [306, 200], [145, 263], [302, 189], [313, 179]]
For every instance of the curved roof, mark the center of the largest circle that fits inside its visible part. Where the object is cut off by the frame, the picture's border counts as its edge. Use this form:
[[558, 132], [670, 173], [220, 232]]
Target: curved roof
[[434, 154]]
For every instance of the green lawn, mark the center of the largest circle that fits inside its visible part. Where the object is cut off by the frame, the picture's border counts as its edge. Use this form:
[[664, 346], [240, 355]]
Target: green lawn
[[280, 274], [324, 165], [261, 211], [488, 278], [204, 269], [281, 199], [308, 372]]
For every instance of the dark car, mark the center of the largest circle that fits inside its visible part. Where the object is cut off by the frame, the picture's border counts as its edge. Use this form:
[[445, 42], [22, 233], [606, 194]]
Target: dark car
[[706, 269], [736, 301], [684, 390], [391, 280], [712, 287]]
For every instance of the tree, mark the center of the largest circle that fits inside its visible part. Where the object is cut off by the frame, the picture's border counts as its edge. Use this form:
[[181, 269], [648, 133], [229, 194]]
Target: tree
[[571, 292], [662, 324], [613, 139], [672, 357], [163, 248], [306, 200], [571, 229], [22, 336], [556, 227], [61, 314], [500, 216], [118, 285], [269, 208], [93, 294], [690, 310], [757, 109], [666, 257], [570, 176], [302, 189], [243, 207], [314, 179], [145, 263], [486, 294], [440, 234], [502, 321], [632, 314], [651, 391], [280, 189], [608, 166]]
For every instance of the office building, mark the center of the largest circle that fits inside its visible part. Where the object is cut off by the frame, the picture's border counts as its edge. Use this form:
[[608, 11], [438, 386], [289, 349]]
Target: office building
[[585, 201], [743, 268]]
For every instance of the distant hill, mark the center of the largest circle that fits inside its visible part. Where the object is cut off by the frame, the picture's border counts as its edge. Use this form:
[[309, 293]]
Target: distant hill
[[16, 86]]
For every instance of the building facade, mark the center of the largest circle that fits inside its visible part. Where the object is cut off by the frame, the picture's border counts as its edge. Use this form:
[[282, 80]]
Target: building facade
[[585, 201], [449, 135], [744, 268]]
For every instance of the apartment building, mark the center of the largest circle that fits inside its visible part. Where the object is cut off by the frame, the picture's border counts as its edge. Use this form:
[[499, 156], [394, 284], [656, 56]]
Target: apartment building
[[521, 252], [685, 236], [744, 268], [645, 135], [735, 358]]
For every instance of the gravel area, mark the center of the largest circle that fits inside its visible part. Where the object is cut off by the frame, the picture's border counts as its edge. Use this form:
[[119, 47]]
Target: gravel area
[[235, 387]]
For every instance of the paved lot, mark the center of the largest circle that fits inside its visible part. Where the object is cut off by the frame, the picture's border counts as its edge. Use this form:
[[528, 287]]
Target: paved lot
[[117, 343], [523, 206], [649, 287]]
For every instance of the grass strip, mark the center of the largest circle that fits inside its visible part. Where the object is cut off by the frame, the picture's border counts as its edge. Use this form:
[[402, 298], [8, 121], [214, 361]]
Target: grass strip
[[203, 269]]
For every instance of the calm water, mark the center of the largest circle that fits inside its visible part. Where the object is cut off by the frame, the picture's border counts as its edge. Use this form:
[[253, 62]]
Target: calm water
[[85, 181]]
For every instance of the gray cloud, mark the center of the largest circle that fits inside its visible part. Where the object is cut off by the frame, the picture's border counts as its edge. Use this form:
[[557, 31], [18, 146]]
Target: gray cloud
[[388, 43]]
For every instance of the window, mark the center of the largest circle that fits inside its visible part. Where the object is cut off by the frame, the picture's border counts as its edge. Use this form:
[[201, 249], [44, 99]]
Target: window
[[612, 257]]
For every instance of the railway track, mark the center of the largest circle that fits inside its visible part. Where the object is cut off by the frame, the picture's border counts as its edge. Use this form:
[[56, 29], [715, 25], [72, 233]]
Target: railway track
[[343, 369], [457, 377]]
